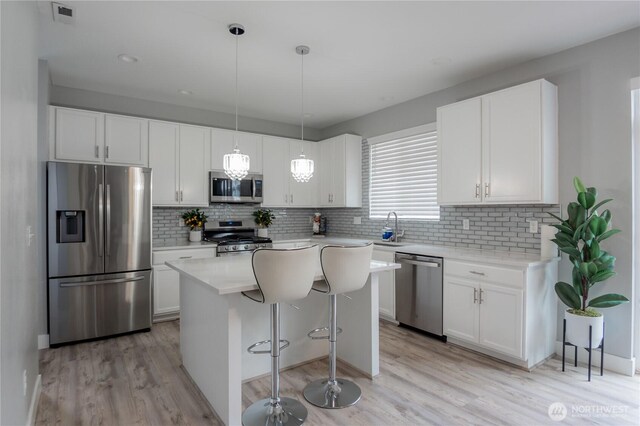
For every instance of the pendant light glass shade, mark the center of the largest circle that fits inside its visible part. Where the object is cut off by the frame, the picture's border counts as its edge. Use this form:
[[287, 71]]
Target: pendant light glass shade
[[302, 167], [236, 165]]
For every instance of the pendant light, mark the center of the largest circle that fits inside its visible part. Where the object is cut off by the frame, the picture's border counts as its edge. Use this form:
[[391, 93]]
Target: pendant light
[[302, 167], [236, 165]]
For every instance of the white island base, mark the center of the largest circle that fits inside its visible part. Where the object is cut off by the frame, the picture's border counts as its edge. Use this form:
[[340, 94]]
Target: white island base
[[217, 324]]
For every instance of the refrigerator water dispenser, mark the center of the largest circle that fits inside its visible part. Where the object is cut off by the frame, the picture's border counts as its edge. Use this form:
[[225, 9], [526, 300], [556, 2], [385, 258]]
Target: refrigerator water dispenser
[[70, 226]]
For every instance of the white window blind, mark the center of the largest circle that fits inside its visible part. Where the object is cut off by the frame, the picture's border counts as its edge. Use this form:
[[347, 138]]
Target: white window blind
[[404, 174]]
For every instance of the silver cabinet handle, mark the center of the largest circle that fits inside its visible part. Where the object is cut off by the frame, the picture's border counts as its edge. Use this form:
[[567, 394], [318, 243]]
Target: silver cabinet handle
[[181, 196], [481, 300], [97, 151], [177, 196], [420, 263], [475, 295], [108, 236], [106, 151], [100, 220], [185, 257], [89, 283], [286, 199], [291, 198], [328, 198], [477, 190], [486, 189], [477, 273]]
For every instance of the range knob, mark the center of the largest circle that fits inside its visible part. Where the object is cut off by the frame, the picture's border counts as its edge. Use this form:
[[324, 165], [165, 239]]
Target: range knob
[[234, 248], [246, 247]]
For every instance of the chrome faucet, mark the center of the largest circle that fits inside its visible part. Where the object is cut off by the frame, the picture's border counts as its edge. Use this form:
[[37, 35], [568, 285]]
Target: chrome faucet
[[395, 236]]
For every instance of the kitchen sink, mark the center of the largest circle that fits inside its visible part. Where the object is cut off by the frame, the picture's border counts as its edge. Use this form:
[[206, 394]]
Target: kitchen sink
[[389, 243]]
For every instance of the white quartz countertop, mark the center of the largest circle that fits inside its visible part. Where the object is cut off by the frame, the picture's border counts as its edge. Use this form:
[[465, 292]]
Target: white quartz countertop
[[233, 274], [181, 245]]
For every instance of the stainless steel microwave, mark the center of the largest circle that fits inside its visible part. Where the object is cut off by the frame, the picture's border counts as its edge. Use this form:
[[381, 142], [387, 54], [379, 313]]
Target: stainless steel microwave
[[223, 189]]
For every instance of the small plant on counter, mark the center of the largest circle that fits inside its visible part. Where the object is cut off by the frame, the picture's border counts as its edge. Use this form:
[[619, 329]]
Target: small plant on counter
[[194, 219], [263, 217], [580, 236]]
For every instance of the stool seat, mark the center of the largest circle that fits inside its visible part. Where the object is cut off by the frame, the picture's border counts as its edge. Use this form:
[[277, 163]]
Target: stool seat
[[282, 276], [345, 269]]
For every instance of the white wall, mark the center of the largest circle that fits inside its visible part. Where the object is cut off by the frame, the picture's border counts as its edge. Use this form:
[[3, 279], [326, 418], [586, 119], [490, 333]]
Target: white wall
[[18, 141], [594, 134]]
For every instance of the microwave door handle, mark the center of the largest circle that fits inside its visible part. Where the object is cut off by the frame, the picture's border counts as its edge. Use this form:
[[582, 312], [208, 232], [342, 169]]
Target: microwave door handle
[[253, 188]]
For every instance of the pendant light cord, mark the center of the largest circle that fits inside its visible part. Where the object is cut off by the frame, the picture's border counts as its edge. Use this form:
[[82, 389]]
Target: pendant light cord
[[236, 135], [302, 105]]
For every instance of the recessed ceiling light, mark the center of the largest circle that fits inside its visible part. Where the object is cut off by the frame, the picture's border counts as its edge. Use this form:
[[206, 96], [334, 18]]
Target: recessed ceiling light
[[185, 92], [128, 58], [441, 60]]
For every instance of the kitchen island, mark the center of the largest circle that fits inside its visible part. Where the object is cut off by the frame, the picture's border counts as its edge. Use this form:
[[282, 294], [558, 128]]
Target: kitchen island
[[217, 324]]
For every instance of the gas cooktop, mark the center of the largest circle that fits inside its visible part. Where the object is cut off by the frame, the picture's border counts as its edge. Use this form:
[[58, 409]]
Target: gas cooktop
[[232, 237]]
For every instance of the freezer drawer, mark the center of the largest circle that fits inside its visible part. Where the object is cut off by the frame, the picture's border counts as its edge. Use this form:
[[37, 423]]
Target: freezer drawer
[[97, 306]]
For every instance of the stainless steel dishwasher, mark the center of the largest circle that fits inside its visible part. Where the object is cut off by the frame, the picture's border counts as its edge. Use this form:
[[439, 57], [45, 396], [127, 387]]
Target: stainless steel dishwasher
[[419, 292]]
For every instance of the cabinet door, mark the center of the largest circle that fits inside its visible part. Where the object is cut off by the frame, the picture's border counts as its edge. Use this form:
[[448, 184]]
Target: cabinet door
[[163, 159], [460, 309], [326, 170], [386, 286], [276, 172], [338, 169], [79, 135], [166, 291], [223, 142], [512, 144], [501, 319], [303, 194], [195, 152], [459, 153], [126, 140]]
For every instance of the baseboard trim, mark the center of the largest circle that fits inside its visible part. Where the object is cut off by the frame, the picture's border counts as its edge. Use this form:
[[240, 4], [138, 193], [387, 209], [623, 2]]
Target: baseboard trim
[[626, 366], [43, 341], [35, 399]]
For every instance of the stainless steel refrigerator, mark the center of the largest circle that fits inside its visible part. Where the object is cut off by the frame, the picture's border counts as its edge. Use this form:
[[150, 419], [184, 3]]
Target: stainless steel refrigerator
[[99, 250]]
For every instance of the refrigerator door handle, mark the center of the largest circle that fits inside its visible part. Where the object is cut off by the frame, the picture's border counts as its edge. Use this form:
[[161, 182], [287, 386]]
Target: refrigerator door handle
[[98, 282], [100, 220], [108, 236]]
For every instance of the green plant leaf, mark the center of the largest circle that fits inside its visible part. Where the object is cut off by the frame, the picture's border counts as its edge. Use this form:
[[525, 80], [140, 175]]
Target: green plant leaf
[[565, 229], [608, 234], [584, 269], [578, 185], [576, 214], [597, 225], [567, 295], [594, 250], [601, 203], [555, 217], [602, 276], [586, 200], [578, 232], [567, 239], [576, 277], [606, 215], [607, 300], [571, 251], [593, 191]]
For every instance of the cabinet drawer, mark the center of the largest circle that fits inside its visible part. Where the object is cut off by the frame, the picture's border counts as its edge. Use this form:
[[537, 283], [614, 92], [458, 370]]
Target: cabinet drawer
[[159, 257], [479, 272]]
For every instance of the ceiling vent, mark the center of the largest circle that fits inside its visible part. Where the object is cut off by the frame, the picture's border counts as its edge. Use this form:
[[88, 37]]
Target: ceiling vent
[[63, 13]]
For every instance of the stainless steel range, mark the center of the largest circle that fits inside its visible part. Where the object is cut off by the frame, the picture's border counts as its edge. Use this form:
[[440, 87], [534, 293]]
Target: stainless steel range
[[233, 237]]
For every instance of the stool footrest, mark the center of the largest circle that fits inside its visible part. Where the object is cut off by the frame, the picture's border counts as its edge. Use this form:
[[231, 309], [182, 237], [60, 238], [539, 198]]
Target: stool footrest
[[251, 349], [312, 334]]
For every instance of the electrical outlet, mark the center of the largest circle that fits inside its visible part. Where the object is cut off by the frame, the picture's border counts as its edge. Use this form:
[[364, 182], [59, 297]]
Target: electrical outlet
[[24, 383], [465, 224], [357, 220], [533, 226]]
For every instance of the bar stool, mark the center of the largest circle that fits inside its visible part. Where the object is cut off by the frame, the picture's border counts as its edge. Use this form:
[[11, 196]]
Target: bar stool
[[345, 269], [283, 275]]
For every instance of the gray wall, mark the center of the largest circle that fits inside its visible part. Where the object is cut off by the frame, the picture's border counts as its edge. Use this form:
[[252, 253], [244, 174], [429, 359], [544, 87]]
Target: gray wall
[[86, 99], [18, 144], [594, 133], [41, 179]]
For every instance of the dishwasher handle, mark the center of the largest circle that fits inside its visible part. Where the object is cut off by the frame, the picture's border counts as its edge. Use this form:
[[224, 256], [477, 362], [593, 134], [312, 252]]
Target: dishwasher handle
[[428, 264]]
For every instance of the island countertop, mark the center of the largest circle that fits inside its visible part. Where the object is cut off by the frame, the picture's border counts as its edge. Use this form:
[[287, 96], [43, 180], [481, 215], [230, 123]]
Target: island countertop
[[234, 274]]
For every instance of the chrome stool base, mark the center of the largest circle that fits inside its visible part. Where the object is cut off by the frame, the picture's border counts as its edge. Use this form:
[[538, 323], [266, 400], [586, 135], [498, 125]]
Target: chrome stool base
[[260, 413], [323, 395]]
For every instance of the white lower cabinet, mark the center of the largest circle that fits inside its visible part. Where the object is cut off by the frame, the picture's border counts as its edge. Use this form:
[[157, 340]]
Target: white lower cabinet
[[166, 281], [506, 312], [386, 286]]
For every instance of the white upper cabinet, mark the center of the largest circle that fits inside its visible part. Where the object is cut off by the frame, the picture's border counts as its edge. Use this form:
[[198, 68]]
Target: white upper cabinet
[[500, 148], [76, 135], [280, 189], [126, 140], [95, 137], [223, 142], [179, 155], [341, 171]]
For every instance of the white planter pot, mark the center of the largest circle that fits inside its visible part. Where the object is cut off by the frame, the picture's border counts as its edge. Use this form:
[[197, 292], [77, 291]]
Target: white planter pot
[[195, 236], [263, 232], [578, 330]]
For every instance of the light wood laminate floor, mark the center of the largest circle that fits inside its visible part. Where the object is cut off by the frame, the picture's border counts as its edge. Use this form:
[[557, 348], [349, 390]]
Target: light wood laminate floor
[[137, 380]]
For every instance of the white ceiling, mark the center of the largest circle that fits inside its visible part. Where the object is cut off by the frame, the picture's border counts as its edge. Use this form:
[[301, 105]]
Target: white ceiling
[[365, 56]]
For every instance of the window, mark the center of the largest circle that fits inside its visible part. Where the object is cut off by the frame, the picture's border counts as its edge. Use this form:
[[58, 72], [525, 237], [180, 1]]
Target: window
[[404, 174]]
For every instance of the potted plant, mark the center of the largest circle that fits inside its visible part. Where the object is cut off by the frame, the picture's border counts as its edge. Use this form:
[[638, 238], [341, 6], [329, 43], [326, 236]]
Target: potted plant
[[263, 218], [195, 220], [581, 236]]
